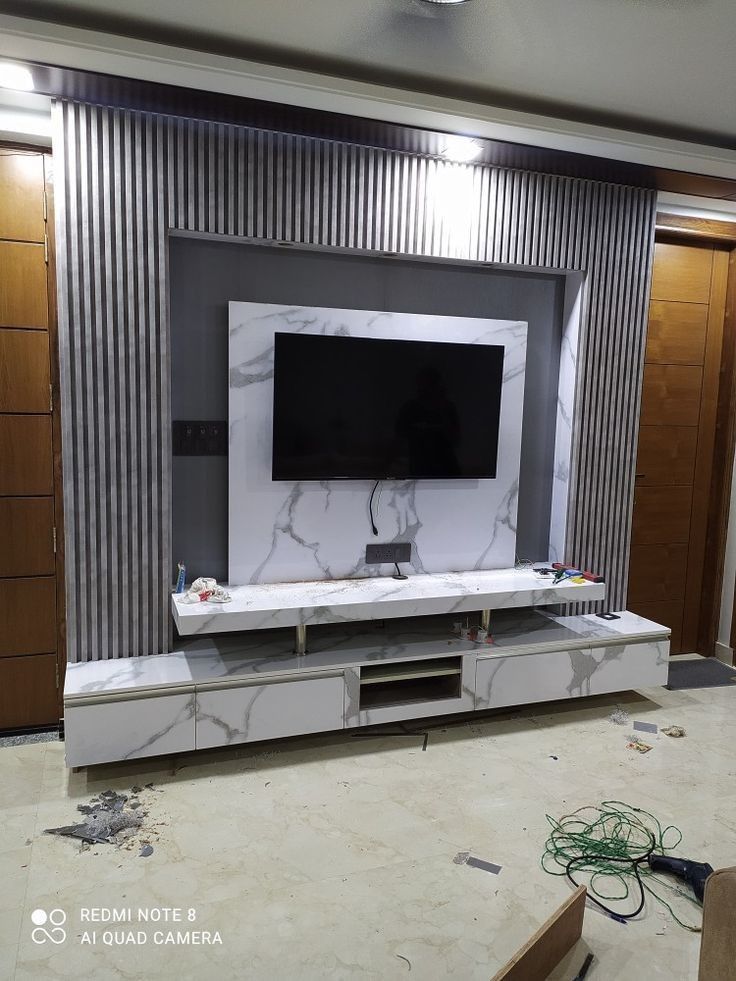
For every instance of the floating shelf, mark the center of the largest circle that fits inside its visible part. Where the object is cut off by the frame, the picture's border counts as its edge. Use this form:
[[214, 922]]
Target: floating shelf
[[339, 600]]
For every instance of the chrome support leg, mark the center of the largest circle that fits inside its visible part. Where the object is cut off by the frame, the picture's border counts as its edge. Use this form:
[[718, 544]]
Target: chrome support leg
[[485, 620], [301, 641]]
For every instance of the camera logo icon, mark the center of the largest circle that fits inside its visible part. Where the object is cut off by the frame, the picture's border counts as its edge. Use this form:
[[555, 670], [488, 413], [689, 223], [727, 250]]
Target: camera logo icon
[[48, 926]]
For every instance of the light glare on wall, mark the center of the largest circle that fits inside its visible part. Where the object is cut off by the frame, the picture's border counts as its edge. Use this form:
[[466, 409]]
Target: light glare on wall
[[15, 77], [460, 149], [451, 197]]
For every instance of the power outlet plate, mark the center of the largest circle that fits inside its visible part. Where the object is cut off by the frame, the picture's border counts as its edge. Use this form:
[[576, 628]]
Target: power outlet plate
[[195, 438], [390, 552]]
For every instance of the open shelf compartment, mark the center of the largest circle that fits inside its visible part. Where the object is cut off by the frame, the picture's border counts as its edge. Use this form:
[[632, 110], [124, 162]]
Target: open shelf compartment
[[405, 682]]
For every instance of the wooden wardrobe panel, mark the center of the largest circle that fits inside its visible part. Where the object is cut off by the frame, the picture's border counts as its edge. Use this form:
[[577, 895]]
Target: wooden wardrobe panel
[[669, 614], [23, 298], [671, 395], [26, 466], [21, 196], [27, 536], [681, 272], [661, 515], [657, 573], [27, 616], [676, 332], [666, 455], [25, 374], [28, 693]]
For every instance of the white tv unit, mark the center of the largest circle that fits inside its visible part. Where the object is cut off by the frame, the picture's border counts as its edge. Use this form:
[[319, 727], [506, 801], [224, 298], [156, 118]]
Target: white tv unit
[[379, 651]]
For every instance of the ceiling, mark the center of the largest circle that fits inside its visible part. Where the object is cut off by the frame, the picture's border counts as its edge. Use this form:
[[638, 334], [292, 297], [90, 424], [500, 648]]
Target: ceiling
[[663, 67]]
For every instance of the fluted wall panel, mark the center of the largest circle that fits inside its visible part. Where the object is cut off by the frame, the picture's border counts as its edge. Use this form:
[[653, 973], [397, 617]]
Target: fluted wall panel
[[128, 177]]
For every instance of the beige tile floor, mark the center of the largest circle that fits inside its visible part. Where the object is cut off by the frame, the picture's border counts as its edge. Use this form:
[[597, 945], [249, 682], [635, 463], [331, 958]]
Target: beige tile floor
[[332, 857]]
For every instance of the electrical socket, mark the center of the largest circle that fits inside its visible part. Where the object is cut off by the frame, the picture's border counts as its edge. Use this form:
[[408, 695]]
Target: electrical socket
[[195, 438], [389, 552]]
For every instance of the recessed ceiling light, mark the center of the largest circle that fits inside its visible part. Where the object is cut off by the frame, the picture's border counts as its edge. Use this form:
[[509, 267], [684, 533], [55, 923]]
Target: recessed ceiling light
[[446, 1], [460, 149], [16, 77]]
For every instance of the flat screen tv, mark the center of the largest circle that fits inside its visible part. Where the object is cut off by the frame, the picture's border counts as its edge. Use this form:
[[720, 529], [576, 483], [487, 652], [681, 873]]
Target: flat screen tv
[[348, 408]]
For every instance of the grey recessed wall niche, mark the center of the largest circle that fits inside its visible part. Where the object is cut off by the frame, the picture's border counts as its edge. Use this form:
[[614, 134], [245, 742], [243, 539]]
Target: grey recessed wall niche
[[125, 178], [205, 274]]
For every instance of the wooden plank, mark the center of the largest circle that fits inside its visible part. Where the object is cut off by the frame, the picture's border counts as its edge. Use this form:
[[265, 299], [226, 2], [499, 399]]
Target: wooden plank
[[27, 616], [56, 428], [702, 228], [671, 395], [27, 536], [666, 455], [676, 332], [541, 954], [704, 457], [721, 489], [26, 455], [28, 692], [682, 272], [25, 379], [657, 573], [21, 196], [661, 516], [23, 292], [669, 614]]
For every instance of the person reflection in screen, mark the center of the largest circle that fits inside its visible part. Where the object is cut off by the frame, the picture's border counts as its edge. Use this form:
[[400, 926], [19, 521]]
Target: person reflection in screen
[[429, 427]]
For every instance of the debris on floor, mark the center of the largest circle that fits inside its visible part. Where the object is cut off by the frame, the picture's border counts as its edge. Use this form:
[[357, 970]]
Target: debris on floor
[[677, 732], [145, 851], [645, 727], [465, 858], [619, 717], [638, 744], [401, 956], [110, 818]]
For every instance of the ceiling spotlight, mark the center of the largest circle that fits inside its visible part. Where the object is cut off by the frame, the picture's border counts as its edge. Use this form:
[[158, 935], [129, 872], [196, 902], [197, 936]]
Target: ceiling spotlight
[[460, 149], [15, 77], [446, 1]]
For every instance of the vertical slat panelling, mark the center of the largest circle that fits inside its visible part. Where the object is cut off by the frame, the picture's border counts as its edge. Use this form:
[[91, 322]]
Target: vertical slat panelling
[[129, 177]]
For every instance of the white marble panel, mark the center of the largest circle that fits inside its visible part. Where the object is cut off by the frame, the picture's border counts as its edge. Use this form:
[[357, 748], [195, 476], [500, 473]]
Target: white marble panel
[[522, 679], [286, 532], [288, 604], [247, 713], [107, 730], [125, 674]]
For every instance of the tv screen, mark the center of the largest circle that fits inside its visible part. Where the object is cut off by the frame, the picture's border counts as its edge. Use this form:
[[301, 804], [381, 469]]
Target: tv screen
[[354, 407]]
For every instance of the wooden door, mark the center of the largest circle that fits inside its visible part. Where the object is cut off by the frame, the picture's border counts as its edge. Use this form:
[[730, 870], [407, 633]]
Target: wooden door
[[676, 437], [29, 518]]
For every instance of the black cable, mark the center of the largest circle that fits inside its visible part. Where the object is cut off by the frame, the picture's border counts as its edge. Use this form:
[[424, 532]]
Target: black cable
[[583, 860], [370, 507]]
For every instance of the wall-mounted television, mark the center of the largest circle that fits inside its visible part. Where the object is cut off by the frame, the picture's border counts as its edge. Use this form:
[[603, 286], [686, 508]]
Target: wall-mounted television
[[347, 408]]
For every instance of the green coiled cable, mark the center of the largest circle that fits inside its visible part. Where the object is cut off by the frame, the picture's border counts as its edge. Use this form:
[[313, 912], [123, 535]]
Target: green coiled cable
[[612, 842]]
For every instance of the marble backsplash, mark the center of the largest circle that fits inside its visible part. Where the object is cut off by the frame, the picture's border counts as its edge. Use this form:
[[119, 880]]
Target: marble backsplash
[[309, 530]]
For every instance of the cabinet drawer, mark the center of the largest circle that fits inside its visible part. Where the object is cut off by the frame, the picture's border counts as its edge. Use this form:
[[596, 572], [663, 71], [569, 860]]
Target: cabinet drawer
[[624, 666], [525, 678], [247, 713], [105, 730]]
